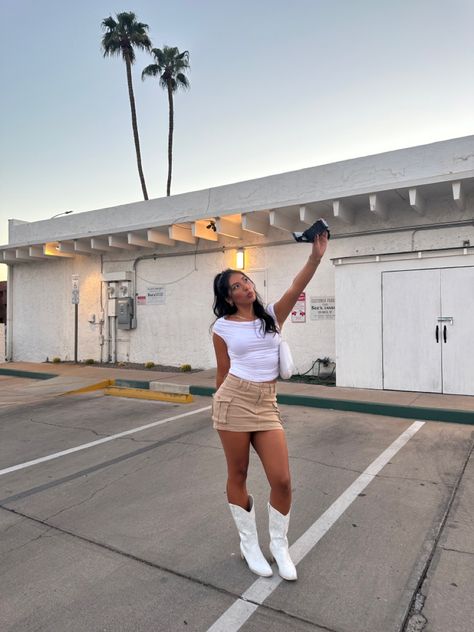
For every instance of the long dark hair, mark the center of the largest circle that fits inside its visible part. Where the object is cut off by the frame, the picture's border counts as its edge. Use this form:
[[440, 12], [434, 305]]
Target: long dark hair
[[221, 307]]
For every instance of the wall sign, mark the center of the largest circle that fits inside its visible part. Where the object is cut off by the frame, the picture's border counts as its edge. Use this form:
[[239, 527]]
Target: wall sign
[[323, 308], [75, 289], [298, 313], [156, 295]]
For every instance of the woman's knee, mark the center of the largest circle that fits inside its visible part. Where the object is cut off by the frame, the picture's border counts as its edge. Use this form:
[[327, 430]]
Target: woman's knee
[[238, 473], [282, 485]]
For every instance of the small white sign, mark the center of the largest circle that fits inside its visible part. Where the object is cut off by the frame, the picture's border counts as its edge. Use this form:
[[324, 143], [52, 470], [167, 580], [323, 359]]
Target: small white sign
[[75, 289], [156, 295], [323, 308], [298, 313]]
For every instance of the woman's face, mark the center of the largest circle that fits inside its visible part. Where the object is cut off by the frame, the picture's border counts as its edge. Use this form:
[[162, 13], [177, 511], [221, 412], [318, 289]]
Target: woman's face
[[241, 289]]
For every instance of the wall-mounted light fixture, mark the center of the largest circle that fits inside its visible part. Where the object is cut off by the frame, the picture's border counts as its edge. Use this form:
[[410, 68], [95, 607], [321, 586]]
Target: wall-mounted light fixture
[[240, 259]]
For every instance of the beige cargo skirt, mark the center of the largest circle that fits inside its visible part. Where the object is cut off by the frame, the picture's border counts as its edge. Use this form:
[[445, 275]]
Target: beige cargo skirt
[[243, 406]]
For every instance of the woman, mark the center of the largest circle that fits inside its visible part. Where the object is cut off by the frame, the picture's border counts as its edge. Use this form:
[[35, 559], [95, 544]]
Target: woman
[[244, 412]]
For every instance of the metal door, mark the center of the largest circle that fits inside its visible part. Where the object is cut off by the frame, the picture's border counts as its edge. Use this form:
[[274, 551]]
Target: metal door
[[456, 327], [411, 342]]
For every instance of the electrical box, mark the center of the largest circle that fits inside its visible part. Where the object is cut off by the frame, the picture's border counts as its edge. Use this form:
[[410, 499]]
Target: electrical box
[[112, 291], [124, 289], [122, 275], [124, 313]]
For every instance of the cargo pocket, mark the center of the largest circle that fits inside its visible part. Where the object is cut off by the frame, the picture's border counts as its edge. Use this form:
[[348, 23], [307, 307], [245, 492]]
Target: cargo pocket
[[277, 411], [220, 408]]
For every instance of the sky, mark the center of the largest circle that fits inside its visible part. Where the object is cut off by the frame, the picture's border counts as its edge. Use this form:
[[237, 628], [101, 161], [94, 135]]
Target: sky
[[275, 86]]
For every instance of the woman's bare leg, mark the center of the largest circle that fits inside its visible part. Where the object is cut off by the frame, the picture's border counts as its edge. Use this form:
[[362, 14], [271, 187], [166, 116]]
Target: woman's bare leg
[[272, 450], [236, 448]]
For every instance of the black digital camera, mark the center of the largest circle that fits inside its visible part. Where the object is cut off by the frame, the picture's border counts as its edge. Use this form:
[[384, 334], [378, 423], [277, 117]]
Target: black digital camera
[[318, 228]]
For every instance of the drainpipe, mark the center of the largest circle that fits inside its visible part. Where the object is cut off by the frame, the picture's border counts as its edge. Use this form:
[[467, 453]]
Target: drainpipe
[[9, 357]]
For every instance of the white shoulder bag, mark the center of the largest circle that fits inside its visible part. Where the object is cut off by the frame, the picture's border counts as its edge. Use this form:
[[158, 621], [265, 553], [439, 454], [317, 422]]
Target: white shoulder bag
[[287, 367]]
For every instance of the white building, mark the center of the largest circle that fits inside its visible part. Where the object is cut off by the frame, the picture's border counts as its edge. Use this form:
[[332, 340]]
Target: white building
[[399, 271]]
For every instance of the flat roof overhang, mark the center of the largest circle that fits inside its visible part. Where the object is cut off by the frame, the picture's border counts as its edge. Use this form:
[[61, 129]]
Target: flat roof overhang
[[408, 178]]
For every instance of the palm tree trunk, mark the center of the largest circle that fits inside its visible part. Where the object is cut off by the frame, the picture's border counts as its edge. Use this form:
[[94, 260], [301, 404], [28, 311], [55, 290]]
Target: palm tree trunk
[[135, 126], [170, 138]]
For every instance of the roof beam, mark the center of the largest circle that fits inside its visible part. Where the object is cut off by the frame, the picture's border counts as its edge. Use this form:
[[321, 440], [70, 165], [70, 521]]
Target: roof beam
[[417, 202], [343, 211], [157, 237], [53, 250], [377, 206], [278, 220], [200, 229], [120, 242], [99, 244], [458, 195], [255, 224], [135, 240], [307, 216], [17, 255], [66, 246], [181, 233], [37, 252], [228, 228], [82, 247]]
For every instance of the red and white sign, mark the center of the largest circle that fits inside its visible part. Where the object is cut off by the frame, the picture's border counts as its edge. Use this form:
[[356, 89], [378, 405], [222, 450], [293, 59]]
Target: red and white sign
[[298, 313]]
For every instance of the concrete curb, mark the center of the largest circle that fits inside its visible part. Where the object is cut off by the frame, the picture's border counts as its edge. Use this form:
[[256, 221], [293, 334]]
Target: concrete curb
[[181, 393], [36, 375], [385, 410], [141, 393], [167, 387], [92, 387]]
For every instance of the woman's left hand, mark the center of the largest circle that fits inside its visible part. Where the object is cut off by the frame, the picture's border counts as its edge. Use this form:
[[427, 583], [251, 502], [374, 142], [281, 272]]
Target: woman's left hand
[[319, 246]]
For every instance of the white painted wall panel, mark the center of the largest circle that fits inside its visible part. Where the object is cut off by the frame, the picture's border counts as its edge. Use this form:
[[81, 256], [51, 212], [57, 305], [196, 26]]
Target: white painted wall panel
[[358, 326], [44, 315]]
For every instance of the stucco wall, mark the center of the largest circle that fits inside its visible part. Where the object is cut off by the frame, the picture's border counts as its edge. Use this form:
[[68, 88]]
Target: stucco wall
[[43, 314], [178, 331]]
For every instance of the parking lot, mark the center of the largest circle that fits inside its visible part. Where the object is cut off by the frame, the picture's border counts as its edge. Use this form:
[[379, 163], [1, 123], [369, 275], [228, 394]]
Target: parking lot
[[113, 516]]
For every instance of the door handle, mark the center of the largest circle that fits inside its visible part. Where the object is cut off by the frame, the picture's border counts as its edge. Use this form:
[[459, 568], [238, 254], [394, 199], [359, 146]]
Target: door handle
[[445, 333], [437, 333]]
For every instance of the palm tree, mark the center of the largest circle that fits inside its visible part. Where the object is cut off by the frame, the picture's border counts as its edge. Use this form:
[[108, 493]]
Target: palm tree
[[170, 66], [121, 37]]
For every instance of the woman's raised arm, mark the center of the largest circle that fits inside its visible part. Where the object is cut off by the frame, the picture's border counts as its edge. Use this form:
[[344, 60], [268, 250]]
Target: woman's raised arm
[[286, 303]]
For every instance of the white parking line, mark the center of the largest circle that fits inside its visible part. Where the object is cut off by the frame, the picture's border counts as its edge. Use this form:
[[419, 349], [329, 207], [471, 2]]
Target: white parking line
[[84, 446], [235, 616]]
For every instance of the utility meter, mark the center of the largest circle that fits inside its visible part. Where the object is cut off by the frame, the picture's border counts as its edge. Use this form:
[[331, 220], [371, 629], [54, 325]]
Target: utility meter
[[124, 313], [124, 289], [111, 290]]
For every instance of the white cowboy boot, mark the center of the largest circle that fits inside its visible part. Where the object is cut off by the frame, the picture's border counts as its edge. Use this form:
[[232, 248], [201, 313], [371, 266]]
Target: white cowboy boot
[[249, 547], [278, 526]]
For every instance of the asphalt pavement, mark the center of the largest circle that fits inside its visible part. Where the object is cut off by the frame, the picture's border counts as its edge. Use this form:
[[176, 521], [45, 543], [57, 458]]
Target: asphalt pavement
[[113, 515]]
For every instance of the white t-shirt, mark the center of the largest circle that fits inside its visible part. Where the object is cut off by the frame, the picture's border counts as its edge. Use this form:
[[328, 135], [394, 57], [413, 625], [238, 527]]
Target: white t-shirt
[[253, 354]]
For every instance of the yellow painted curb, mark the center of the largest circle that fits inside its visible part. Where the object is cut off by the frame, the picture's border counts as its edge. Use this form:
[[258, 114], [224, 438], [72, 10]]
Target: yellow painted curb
[[92, 387], [141, 393]]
